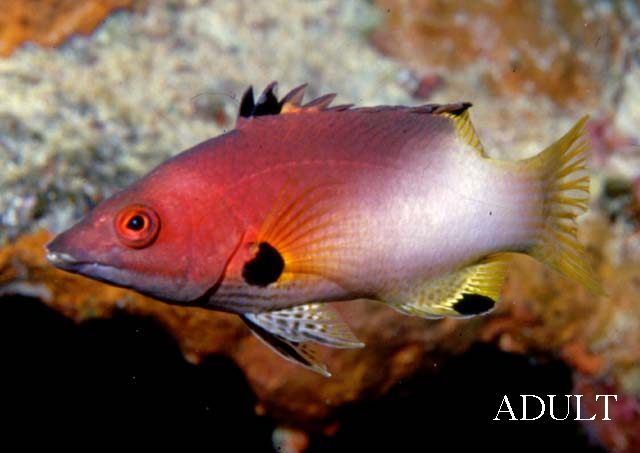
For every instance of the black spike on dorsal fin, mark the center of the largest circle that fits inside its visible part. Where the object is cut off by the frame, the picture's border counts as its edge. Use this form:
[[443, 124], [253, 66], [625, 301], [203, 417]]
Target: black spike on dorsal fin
[[247, 105], [268, 102]]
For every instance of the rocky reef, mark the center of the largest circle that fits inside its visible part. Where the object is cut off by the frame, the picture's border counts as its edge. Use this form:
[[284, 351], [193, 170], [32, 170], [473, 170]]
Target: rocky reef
[[49, 23]]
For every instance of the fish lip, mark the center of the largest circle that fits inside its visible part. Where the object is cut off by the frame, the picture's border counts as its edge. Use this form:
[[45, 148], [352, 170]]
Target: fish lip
[[62, 259], [90, 269], [59, 255], [70, 263]]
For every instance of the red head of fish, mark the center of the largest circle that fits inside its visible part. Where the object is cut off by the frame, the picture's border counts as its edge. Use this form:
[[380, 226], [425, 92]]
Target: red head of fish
[[169, 235]]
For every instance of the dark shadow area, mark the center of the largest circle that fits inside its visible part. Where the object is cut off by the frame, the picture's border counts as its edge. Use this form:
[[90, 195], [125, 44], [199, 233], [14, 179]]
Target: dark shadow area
[[119, 379], [453, 410], [124, 379]]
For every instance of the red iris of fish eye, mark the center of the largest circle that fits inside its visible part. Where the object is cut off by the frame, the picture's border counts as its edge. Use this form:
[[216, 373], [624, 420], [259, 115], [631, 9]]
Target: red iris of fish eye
[[137, 226]]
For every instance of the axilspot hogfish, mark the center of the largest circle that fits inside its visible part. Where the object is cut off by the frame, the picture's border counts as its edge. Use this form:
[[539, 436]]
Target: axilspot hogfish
[[302, 205]]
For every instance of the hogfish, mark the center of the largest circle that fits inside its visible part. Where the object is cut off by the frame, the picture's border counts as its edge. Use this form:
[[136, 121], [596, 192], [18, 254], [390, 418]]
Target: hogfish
[[301, 205]]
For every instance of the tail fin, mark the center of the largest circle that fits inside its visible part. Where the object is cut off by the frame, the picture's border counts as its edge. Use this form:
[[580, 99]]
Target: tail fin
[[566, 197]]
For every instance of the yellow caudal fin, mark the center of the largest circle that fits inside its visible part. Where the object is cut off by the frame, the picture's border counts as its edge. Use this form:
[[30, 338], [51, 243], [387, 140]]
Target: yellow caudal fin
[[566, 197]]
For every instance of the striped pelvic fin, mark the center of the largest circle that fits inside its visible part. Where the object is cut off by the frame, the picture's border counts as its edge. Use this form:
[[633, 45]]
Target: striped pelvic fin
[[315, 322], [300, 353]]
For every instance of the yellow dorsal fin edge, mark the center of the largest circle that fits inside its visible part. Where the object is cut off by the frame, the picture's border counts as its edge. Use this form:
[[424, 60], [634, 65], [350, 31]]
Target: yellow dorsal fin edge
[[465, 130]]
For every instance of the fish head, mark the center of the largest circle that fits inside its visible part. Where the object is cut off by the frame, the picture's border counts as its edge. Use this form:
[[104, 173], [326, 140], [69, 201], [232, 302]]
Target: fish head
[[167, 236]]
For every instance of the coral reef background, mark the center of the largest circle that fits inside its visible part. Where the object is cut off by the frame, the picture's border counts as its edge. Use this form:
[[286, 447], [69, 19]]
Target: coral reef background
[[80, 120]]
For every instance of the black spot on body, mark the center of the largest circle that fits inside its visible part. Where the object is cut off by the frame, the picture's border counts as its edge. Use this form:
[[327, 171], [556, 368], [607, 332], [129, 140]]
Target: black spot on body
[[265, 268], [473, 304]]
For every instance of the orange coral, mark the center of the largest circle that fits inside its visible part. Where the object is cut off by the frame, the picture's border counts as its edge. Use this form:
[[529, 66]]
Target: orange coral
[[50, 22]]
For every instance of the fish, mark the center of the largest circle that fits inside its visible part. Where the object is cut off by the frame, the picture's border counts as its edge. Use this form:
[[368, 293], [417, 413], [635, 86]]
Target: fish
[[303, 205]]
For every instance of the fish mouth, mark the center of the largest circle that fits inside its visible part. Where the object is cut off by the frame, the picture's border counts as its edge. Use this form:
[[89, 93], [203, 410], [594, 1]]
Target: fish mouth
[[168, 290], [63, 260], [70, 263], [60, 254], [94, 270]]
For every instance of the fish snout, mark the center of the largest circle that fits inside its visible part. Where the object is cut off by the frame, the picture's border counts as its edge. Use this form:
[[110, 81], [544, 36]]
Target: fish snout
[[60, 254]]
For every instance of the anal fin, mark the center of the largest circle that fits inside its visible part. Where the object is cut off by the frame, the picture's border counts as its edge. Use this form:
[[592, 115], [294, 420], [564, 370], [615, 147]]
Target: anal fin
[[473, 290]]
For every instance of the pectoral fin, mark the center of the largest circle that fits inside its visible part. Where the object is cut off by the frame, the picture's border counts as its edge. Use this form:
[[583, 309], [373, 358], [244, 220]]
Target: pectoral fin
[[470, 291], [302, 229]]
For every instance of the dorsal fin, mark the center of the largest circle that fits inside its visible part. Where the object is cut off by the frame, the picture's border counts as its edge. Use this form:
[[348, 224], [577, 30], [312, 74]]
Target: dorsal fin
[[247, 105], [291, 102], [459, 113], [320, 103], [268, 103]]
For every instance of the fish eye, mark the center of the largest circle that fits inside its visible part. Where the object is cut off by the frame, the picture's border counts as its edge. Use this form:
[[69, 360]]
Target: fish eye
[[137, 226], [136, 223]]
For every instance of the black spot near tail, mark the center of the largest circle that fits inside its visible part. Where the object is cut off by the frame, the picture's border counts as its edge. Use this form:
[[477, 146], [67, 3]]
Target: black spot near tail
[[265, 268], [474, 304]]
